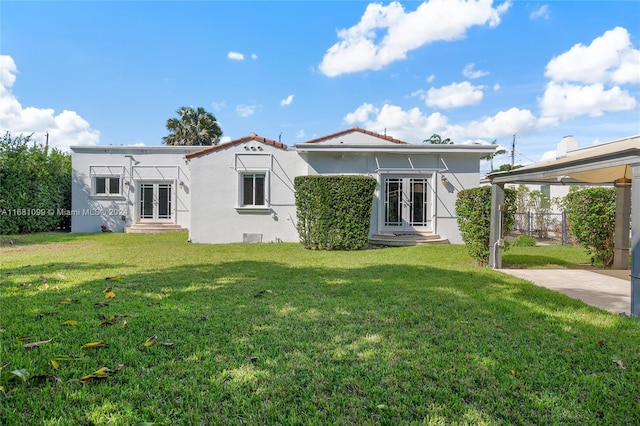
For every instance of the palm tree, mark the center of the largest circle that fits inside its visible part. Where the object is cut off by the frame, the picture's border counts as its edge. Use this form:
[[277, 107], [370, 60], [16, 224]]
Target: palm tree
[[436, 139], [490, 157], [193, 127]]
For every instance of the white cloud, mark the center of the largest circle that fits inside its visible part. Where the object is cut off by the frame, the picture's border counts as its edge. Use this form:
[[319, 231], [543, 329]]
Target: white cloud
[[225, 139], [254, 56], [504, 123], [585, 80], [542, 12], [414, 126], [548, 155], [65, 129], [470, 72], [287, 101], [609, 58], [401, 32], [496, 87], [565, 101], [431, 78], [219, 106], [246, 110], [453, 95], [236, 56], [300, 134]]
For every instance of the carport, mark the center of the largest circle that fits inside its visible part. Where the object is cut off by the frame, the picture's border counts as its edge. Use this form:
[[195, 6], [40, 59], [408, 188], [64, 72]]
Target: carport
[[615, 163]]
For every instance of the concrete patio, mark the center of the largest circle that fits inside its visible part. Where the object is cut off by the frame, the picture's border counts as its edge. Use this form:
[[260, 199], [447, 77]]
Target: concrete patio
[[609, 290]]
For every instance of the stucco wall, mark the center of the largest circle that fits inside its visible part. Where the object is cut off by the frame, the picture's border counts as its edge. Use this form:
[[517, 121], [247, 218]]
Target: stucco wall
[[89, 211], [216, 213]]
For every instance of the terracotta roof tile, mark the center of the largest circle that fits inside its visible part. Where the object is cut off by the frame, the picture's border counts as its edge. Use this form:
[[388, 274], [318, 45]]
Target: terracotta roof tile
[[250, 137], [357, 129]]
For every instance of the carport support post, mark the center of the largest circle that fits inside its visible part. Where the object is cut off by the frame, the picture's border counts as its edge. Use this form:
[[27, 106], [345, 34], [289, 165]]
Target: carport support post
[[495, 234], [623, 217], [635, 242]]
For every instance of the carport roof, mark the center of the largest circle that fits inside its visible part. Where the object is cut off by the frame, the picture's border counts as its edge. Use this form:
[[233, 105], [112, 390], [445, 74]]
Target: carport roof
[[602, 163]]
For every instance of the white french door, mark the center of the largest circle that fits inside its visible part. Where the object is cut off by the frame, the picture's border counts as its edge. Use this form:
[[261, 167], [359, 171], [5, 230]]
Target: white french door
[[407, 204], [155, 202]]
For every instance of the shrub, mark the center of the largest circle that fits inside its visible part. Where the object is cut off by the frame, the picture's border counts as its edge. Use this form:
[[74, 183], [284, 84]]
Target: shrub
[[35, 183], [473, 208], [591, 214], [524, 241], [334, 212]]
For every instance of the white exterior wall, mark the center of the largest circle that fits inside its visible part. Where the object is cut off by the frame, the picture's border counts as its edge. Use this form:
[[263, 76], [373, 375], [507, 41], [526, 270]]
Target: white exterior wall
[[216, 213], [89, 211], [463, 172]]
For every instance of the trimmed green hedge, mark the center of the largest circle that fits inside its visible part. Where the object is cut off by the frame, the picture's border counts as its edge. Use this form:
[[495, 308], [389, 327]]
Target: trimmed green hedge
[[591, 214], [35, 185], [473, 208], [334, 212]]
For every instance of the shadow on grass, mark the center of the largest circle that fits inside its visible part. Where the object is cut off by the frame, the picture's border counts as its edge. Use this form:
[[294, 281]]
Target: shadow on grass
[[268, 342]]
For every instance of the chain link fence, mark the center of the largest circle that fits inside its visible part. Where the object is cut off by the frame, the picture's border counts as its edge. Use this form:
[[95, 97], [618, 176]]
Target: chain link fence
[[544, 226]]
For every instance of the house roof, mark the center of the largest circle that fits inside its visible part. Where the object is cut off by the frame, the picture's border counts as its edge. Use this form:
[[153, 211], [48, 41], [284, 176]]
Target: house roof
[[601, 163], [356, 129], [244, 139]]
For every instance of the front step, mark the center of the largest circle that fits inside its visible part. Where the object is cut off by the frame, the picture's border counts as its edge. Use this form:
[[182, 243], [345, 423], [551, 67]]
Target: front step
[[153, 228], [400, 239]]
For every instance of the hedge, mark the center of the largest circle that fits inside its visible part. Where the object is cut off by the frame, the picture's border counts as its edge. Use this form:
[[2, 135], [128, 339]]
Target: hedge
[[473, 208], [35, 186], [334, 212]]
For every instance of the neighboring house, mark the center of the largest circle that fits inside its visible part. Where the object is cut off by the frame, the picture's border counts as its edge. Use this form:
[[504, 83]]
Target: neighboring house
[[243, 190]]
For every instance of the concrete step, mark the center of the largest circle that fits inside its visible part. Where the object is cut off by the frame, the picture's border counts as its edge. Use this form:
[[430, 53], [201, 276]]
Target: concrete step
[[153, 228], [400, 239]]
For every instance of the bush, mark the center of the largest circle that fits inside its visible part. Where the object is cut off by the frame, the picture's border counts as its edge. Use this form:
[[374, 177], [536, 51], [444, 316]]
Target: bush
[[35, 183], [334, 212], [473, 208], [591, 214], [524, 241]]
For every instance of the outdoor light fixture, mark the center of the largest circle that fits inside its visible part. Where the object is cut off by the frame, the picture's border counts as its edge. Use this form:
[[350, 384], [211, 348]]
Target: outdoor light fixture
[[181, 185], [126, 183], [444, 180]]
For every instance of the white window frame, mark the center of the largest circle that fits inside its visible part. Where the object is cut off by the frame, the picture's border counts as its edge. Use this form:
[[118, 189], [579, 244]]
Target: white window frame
[[107, 186], [241, 206], [107, 173]]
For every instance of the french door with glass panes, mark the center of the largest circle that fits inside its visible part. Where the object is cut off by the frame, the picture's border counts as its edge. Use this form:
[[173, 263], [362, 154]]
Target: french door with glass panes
[[155, 202], [407, 204]]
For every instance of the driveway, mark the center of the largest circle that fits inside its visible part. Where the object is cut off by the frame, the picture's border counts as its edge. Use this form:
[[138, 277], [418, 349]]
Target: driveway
[[607, 290]]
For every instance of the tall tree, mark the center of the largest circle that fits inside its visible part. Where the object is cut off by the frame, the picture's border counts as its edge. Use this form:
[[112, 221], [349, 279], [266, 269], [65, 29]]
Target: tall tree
[[193, 127], [490, 157], [436, 139]]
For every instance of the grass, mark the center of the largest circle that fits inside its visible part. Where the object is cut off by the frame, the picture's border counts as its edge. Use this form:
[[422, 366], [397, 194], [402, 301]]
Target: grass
[[274, 334]]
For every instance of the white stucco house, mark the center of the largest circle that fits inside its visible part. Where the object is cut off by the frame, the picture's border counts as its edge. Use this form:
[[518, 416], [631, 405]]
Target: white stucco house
[[243, 190]]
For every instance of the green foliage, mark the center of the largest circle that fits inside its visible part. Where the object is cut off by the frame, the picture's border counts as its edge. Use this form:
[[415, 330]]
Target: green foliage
[[473, 208], [591, 216], [436, 139], [35, 184], [193, 127], [334, 212], [523, 241]]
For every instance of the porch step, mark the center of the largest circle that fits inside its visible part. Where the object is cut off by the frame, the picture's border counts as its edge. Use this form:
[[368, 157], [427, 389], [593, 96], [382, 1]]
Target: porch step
[[153, 228], [399, 239]]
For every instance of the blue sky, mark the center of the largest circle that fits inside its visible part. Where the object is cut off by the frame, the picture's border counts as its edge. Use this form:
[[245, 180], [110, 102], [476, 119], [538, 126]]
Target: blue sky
[[112, 73]]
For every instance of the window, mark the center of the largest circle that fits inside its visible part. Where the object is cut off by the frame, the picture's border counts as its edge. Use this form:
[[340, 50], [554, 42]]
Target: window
[[253, 189], [107, 185]]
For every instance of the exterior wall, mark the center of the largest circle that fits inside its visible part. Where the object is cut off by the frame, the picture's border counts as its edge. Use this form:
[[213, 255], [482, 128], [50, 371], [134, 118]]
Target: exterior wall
[[217, 216], [132, 164], [463, 171]]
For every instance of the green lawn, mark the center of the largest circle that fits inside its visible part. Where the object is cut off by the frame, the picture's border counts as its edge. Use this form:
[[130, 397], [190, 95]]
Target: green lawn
[[273, 334]]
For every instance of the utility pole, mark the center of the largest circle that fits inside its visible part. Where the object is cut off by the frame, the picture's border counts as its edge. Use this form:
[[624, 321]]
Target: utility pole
[[46, 144], [513, 152]]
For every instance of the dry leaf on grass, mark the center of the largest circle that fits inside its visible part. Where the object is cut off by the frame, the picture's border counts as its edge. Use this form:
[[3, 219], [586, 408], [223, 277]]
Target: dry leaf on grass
[[70, 322], [36, 344], [150, 341], [91, 345]]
